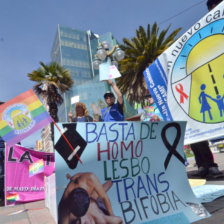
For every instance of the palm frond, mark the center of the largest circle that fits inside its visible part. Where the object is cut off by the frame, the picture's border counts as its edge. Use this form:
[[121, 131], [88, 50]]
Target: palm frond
[[140, 52], [51, 80]]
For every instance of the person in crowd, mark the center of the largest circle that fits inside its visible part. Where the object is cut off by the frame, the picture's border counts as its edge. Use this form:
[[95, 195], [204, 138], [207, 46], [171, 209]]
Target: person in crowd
[[150, 112], [203, 155], [81, 114], [211, 4], [85, 200], [204, 160], [113, 111]]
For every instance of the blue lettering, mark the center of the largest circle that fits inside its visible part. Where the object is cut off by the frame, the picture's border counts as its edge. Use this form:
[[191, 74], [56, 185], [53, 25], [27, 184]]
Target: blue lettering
[[154, 185], [88, 132], [117, 187], [129, 186], [163, 182], [141, 186], [113, 130], [103, 133], [131, 131], [123, 124]]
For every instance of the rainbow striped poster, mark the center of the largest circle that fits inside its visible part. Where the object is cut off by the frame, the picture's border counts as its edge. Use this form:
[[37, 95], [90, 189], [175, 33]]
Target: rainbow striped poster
[[22, 116], [37, 167]]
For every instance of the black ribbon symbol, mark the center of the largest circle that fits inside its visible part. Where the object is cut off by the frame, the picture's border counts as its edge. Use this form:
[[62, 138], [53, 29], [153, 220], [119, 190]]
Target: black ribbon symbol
[[172, 148]]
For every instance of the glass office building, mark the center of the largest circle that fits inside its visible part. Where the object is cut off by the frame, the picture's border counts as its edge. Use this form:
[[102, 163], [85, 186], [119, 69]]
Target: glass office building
[[75, 49]]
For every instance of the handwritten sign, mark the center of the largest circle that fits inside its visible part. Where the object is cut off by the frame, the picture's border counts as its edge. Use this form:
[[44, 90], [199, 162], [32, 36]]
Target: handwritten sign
[[108, 71], [127, 171]]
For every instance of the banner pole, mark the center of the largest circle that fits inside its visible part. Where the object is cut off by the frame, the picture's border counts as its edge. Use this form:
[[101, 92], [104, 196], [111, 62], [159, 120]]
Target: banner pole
[[66, 140]]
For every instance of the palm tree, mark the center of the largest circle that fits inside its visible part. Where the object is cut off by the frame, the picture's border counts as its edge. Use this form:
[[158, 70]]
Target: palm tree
[[51, 79], [140, 52]]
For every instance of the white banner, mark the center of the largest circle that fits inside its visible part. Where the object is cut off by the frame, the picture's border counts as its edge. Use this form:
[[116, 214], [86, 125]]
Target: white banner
[[187, 80]]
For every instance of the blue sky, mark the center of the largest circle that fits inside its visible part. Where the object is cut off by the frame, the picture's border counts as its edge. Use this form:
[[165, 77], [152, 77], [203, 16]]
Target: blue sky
[[28, 27]]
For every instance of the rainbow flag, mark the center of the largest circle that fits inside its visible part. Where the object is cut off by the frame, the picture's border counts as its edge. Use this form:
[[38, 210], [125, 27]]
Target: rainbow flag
[[12, 198], [37, 167], [22, 116]]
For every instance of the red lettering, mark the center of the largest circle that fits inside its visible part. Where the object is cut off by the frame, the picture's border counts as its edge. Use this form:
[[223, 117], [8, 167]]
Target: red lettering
[[99, 151], [126, 148], [114, 157]]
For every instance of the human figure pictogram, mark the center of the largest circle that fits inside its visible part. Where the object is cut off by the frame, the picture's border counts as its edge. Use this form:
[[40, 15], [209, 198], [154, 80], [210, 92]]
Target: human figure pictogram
[[220, 103], [204, 103]]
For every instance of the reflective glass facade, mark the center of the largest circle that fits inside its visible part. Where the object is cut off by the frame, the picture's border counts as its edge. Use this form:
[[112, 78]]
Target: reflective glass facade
[[75, 49]]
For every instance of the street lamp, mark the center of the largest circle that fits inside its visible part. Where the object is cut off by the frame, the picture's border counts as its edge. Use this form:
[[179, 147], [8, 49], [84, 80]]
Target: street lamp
[[103, 54]]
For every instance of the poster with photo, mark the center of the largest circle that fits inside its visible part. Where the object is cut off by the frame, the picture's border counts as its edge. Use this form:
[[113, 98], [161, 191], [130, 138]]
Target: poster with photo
[[123, 172]]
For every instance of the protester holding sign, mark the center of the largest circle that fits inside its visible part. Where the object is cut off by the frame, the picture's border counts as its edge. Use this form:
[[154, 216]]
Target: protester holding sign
[[113, 111], [151, 111], [81, 114]]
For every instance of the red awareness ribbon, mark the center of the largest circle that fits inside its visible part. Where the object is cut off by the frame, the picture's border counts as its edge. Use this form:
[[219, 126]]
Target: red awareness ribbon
[[182, 93]]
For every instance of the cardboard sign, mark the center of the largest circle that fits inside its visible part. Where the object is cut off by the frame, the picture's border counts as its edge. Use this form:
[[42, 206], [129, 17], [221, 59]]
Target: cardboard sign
[[108, 71], [131, 171]]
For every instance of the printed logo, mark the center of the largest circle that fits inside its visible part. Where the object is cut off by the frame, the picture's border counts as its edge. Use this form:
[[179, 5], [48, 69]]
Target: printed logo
[[198, 75], [18, 117]]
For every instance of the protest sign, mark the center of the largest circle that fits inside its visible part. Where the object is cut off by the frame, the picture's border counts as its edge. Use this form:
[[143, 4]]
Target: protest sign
[[22, 116], [130, 171], [108, 71], [24, 174], [187, 80]]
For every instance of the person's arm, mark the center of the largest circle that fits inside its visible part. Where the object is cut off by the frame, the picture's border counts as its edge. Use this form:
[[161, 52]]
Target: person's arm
[[70, 116], [199, 99], [98, 188], [106, 186], [117, 91], [210, 97]]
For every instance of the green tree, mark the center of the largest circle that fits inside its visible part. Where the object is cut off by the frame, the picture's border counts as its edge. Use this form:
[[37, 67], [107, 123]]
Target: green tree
[[140, 52], [52, 80]]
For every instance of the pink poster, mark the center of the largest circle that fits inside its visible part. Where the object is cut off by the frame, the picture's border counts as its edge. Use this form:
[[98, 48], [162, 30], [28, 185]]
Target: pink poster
[[24, 174]]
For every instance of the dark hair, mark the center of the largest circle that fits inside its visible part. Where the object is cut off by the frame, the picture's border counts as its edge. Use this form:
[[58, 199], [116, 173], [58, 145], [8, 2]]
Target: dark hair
[[78, 202], [108, 94], [1, 102], [148, 96], [211, 2]]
